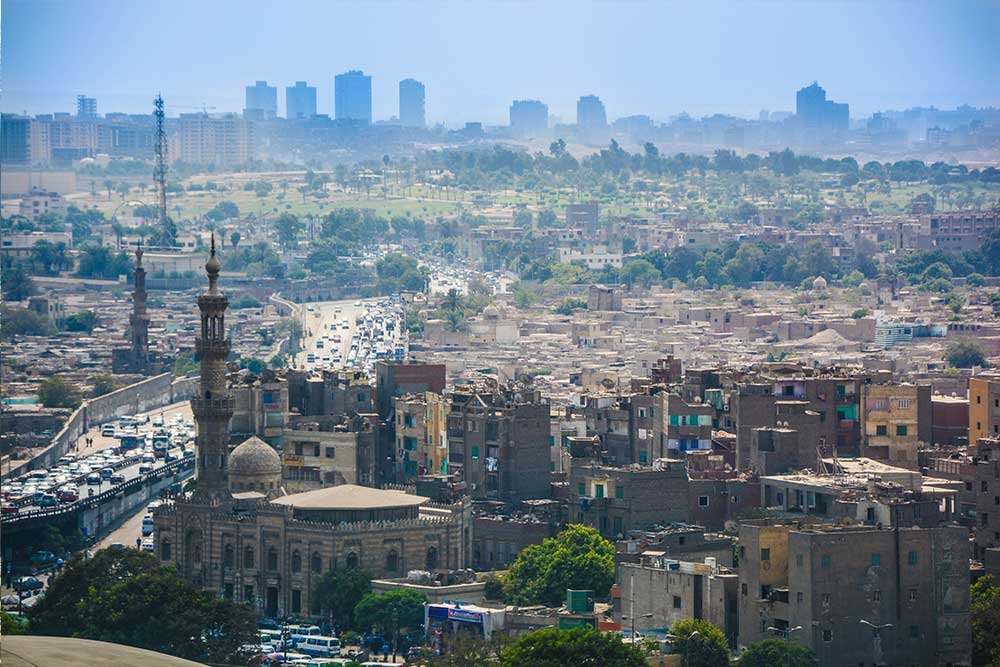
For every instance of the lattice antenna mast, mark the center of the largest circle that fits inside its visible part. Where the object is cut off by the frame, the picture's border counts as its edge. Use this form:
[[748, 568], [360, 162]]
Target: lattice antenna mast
[[160, 172]]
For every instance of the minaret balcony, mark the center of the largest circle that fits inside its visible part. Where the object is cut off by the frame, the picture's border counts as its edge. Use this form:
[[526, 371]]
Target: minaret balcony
[[222, 407], [212, 347]]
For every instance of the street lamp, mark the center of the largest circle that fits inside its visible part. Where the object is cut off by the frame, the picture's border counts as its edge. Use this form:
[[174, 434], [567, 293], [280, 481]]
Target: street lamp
[[877, 634], [788, 638]]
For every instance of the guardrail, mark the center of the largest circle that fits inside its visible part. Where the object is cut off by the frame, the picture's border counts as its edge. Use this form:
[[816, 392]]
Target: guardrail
[[90, 501]]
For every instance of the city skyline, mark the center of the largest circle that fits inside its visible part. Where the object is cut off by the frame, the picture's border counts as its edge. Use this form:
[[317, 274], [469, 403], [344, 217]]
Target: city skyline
[[472, 75]]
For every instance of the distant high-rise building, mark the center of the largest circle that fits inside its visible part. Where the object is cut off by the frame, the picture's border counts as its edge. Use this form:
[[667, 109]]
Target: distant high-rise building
[[223, 141], [353, 97], [815, 112], [591, 119], [86, 107], [411, 103], [300, 100], [529, 117], [590, 112], [262, 101], [15, 139]]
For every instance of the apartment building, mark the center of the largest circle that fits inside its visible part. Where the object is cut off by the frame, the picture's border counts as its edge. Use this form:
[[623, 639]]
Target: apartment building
[[224, 140], [421, 434], [906, 601], [984, 407], [895, 422]]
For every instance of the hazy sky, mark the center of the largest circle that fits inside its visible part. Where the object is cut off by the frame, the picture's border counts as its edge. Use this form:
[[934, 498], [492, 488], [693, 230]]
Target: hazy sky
[[657, 58]]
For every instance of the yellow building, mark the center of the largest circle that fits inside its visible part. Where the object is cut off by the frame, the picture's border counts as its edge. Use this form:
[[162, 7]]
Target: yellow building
[[984, 407], [422, 433]]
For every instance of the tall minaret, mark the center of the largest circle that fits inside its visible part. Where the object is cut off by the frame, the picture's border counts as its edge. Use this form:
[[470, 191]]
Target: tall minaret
[[139, 319], [213, 407]]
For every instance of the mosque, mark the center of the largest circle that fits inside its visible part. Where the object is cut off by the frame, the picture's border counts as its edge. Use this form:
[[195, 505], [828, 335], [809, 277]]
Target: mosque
[[240, 534]]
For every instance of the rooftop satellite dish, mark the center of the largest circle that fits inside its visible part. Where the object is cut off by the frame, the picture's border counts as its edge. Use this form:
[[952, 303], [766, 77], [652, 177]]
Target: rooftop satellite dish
[[608, 383]]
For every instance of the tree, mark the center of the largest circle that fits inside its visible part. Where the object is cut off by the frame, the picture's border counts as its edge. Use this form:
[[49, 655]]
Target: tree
[[776, 652], [640, 272], [338, 592], [708, 648], [579, 647], [55, 392], [224, 210], [125, 596], [391, 612], [17, 284], [984, 605], [104, 383], [965, 353], [23, 322], [234, 240], [288, 227], [85, 321], [577, 558], [523, 298]]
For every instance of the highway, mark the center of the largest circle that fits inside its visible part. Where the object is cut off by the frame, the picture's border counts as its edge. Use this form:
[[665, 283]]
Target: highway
[[72, 471], [334, 338]]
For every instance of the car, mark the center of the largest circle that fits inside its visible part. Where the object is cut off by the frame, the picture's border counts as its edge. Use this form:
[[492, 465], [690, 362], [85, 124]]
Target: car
[[94, 478], [147, 525], [7, 508], [28, 584], [106, 473], [117, 546], [108, 431], [67, 495], [148, 545], [145, 467], [48, 500], [117, 478], [142, 418]]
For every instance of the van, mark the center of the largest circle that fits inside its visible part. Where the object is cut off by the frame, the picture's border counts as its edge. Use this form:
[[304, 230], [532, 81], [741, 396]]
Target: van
[[298, 634], [320, 646]]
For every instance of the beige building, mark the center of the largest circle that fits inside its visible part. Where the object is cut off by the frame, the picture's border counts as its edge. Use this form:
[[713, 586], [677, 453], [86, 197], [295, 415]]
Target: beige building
[[895, 422], [421, 434], [224, 141]]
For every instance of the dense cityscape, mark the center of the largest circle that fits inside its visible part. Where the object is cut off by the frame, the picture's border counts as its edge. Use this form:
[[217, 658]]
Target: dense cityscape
[[328, 383]]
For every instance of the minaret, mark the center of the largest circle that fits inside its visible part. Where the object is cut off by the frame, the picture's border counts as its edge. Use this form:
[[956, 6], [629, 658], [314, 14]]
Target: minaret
[[139, 319], [213, 407]]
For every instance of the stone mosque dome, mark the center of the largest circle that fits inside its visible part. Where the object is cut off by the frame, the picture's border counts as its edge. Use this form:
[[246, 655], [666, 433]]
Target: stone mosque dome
[[255, 466], [819, 284], [491, 312]]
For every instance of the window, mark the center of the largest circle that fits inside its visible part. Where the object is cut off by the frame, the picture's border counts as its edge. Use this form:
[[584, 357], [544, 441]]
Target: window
[[881, 429], [392, 561], [900, 429], [165, 550], [984, 486], [702, 501], [475, 453], [619, 491], [903, 404], [881, 404], [229, 556], [272, 559], [876, 596], [911, 558], [296, 561], [765, 554], [316, 563], [316, 451], [914, 632], [677, 602], [799, 597], [352, 560], [828, 635], [743, 589], [248, 594], [876, 560], [248, 559], [599, 490], [912, 595], [825, 599], [296, 601], [825, 561], [329, 452], [617, 525], [581, 489]]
